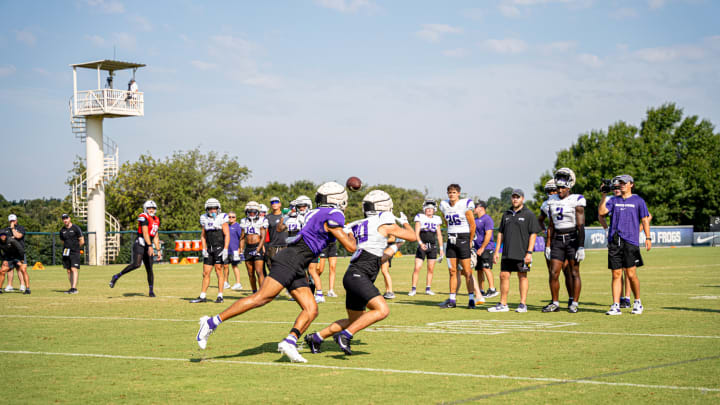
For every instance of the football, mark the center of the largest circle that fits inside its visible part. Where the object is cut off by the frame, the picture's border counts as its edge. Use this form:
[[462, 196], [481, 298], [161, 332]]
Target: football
[[353, 183]]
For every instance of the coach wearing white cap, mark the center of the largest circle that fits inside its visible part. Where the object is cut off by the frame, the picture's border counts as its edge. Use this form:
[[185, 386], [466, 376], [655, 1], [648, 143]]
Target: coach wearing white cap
[[17, 232]]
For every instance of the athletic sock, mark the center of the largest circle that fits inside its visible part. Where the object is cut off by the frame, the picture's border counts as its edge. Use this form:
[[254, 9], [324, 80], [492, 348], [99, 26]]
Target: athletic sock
[[471, 296], [317, 338], [202, 295], [638, 302], [452, 297], [214, 321], [575, 303], [318, 293], [346, 333], [220, 294], [556, 302], [416, 289], [626, 298], [291, 339], [427, 289]]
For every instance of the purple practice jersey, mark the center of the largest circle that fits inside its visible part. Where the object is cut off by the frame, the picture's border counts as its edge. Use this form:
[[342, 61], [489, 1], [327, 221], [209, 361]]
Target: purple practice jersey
[[235, 232], [625, 217], [482, 225], [314, 233]]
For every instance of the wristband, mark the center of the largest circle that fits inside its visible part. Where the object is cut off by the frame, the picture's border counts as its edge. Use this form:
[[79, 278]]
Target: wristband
[[648, 238], [394, 248], [529, 252]]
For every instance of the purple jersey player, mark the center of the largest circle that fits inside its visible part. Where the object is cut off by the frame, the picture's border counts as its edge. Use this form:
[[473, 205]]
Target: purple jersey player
[[322, 225]]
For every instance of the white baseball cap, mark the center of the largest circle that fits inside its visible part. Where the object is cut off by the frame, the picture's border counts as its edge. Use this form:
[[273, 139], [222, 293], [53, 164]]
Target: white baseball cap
[[12, 217]]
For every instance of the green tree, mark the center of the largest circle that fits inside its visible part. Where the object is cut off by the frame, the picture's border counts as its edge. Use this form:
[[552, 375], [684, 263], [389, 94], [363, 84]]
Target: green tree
[[675, 162]]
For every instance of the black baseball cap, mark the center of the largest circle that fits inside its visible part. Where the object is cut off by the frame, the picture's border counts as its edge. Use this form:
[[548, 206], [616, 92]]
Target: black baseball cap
[[65, 216], [481, 203]]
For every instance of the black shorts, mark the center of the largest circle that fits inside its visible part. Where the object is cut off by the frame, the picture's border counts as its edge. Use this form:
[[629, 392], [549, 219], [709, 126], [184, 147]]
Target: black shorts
[[564, 246], [14, 263], [214, 257], [329, 251], [485, 260], [513, 265], [461, 248], [251, 254], [271, 252], [430, 253], [359, 281], [71, 261], [623, 255], [231, 260], [288, 266]]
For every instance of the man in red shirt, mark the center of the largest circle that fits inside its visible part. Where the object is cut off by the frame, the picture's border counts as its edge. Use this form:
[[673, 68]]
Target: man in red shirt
[[147, 236]]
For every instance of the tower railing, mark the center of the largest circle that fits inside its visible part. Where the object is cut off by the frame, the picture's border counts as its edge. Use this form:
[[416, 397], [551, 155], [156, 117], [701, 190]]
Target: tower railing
[[108, 101]]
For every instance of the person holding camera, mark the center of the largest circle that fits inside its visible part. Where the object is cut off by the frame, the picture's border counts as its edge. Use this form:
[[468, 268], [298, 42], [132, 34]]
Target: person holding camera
[[517, 233], [628, 213]]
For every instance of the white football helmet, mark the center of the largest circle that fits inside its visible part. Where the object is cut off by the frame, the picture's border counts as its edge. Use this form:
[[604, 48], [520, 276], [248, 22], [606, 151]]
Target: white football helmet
[[303, 201], [550, 186], [212, 203], [430, 204], [331, 194], [564, 177], [252, 209], [377, 201], [263, 209], [149, 204]]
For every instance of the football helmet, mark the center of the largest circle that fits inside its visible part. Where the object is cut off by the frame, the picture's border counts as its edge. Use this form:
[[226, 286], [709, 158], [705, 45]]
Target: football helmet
[[149, 204], [252, 209], [303, 201], [564, 177], [212, 203], [331, 194], [550, 186], [377, 201], [429, 204], [263, 209]]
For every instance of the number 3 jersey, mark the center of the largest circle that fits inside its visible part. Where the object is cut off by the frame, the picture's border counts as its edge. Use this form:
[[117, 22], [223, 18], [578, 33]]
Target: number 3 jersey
[[368, 237], [153, 224], [562, 211], [213, 227], [455, 214]]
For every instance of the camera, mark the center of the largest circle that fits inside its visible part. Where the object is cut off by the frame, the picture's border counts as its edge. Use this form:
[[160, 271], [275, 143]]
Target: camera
[[606, 186]]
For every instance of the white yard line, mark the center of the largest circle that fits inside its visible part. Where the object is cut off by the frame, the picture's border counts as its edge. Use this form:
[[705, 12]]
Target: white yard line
[[367, 369]]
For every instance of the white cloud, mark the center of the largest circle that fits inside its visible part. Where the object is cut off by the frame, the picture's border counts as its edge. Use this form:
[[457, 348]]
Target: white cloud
[[433, 32], [508, 45], [106, 6], [202, 65], [670, 53], [508, 10], [590, 60], [514, 8], [348, 6], [141, 23], [26, 37], [656, 4], [96, 40], [7, 70], [456, 53], [557, 47], [261, 80]]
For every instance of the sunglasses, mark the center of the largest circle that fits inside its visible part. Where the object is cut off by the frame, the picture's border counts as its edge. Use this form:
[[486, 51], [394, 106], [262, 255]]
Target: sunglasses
[[274, 202], [232, 216]]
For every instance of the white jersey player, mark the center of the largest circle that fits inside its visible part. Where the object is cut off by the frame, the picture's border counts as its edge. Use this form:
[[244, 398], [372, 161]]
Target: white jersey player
[[215, 238], [460, 218], [566, 237], [371, 235]]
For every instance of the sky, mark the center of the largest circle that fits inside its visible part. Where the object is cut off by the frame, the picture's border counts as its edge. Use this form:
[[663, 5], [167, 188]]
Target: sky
[[419, 94]]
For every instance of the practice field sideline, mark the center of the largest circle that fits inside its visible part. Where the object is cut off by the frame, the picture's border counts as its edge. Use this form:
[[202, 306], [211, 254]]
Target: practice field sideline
[[117, 345]]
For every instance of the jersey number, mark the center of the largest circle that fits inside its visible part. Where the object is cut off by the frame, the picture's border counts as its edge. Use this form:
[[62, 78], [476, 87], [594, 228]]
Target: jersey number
[[453, 219], [360, 231], [559, 216], [154, 229]]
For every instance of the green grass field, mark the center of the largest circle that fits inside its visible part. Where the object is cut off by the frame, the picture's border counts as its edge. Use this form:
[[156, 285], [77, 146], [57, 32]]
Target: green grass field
[[117, 345]]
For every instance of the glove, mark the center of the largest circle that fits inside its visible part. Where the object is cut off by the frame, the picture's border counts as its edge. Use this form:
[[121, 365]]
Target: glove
[[224, 255], [547, 252], [440, 257], [402, 219], [236, 256], [580, 255], [205, 253]]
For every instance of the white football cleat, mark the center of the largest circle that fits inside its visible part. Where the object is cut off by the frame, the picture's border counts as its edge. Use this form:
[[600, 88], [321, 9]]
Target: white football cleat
[[22, 288], [429, 292], [236, 287], [319, 299], [9, 289], [637, 308], [204, 332], [291, 352], [226, 285], [412, 293], [332, 294], [614, 310]]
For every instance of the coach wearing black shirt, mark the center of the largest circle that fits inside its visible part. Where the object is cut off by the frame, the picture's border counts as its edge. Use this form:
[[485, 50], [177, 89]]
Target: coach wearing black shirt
[[73, 240], [517, 232]]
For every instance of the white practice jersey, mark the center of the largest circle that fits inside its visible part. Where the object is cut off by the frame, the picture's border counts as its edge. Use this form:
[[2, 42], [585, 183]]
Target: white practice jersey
[[294, 224], [544, 205], [367, 235], [253, 226], [455, 215], [209, 223], [428, 224], [562, 211]]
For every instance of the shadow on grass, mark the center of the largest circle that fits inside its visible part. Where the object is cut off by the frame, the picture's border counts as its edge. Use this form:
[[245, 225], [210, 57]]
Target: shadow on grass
[[717, 311], [133, 295], [267, 347]]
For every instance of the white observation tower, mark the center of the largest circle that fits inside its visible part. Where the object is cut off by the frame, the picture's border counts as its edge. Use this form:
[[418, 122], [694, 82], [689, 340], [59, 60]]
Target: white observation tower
[[88, 108]]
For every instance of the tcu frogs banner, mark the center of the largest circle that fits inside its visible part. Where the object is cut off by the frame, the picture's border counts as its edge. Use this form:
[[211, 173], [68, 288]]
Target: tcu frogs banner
[[659, 235]]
